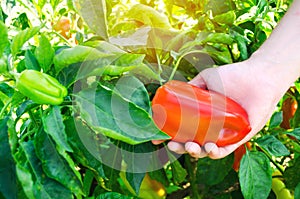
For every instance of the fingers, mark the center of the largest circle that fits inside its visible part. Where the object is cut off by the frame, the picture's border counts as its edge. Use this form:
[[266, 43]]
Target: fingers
[[195, 150], [215, 152], [198, 81], [176, 147], [157, 142]]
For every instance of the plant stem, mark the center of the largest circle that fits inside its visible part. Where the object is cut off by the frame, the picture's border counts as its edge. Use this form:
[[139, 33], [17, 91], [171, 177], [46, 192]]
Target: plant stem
[[179, 60], [4, 108], [191, 164]]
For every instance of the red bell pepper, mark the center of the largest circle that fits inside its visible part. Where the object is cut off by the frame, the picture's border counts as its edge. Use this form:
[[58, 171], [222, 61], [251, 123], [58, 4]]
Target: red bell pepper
[[189, 113]]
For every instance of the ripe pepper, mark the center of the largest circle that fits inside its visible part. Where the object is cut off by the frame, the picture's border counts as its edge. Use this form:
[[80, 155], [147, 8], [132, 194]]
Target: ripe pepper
[[189, 113], [238, 155], [40, 87]]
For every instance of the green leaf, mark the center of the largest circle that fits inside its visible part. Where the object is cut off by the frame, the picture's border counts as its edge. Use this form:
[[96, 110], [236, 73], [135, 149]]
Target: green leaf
[[179, 174], [134, 90], [54, 165], [145, 71], [104, 46], [116, 117], [54, 126], [85, 145], [227, 18], [26, 180], [139, 37], [276, 119], [79, 54], [22, 37], [3, 37], [44, 187], [30, 61], [135, 180], [208, 170], [273, 146], [148, 16], [87, 182], [242, 45], [121, 63], [295, 133], [222, 38], [44, 53], [8, 181], [218, 6], [54, 3], [222, 56], [255, 175], [297, 191], [291, 177], [112, 165], [114, 195], [139, 160], [94, 14], [4, 98]]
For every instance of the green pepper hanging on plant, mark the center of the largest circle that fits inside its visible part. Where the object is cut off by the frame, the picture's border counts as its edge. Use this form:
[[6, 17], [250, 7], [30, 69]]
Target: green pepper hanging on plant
[[40, 87]]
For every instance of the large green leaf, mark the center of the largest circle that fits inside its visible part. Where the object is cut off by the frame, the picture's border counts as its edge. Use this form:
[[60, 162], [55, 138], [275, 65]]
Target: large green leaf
[[295, 133], [292, 179], [30, 61], [139, 160], [113, 195], [219, 6], [54, 165], [134, 90], [44, 187], [255, 175], [85, 145], [26, 180], [135, 180], [94, 14], [273, 146], [54, 126], [44, 53], [297, 191], [8, 181], [22, 37], [179, 173], [208, 170], [276, 119], [3, 37], [106, 111], [78, 54], [148, 16], [118, 65]]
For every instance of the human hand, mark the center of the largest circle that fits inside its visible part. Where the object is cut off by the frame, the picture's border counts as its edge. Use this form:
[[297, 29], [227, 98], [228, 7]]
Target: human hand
[[247, 84]]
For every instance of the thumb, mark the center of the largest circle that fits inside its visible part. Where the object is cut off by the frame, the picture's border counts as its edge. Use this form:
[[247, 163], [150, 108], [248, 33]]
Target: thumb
[[198, 81]]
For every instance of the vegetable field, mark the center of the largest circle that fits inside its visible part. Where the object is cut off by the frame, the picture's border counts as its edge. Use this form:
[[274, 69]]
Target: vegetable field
[[77, 79]]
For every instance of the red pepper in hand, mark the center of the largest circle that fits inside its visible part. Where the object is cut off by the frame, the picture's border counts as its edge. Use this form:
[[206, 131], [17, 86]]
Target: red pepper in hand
[[189, 113]]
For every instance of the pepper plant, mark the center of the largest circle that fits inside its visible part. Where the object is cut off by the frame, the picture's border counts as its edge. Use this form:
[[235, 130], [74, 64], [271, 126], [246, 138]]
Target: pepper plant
[[76, 85]]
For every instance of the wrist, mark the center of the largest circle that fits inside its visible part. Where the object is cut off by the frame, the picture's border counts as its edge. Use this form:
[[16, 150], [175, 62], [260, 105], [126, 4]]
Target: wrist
[[280, 74]]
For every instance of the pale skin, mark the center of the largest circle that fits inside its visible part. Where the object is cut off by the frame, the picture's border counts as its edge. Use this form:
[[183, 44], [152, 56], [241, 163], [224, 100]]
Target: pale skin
[[257, 84]]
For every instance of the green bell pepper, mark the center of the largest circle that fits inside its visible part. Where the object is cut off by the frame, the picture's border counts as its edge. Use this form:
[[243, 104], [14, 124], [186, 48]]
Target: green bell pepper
[[40, 87]]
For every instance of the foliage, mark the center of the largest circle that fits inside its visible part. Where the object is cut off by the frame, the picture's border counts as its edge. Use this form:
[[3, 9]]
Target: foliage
[[112, 56]]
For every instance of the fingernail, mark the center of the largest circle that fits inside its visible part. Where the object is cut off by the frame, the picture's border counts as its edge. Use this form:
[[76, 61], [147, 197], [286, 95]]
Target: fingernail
[[176, 147], [209, 147], [193, 149]]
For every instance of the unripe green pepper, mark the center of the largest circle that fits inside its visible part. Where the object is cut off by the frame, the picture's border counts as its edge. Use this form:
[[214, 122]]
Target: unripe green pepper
[[40, 87]]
